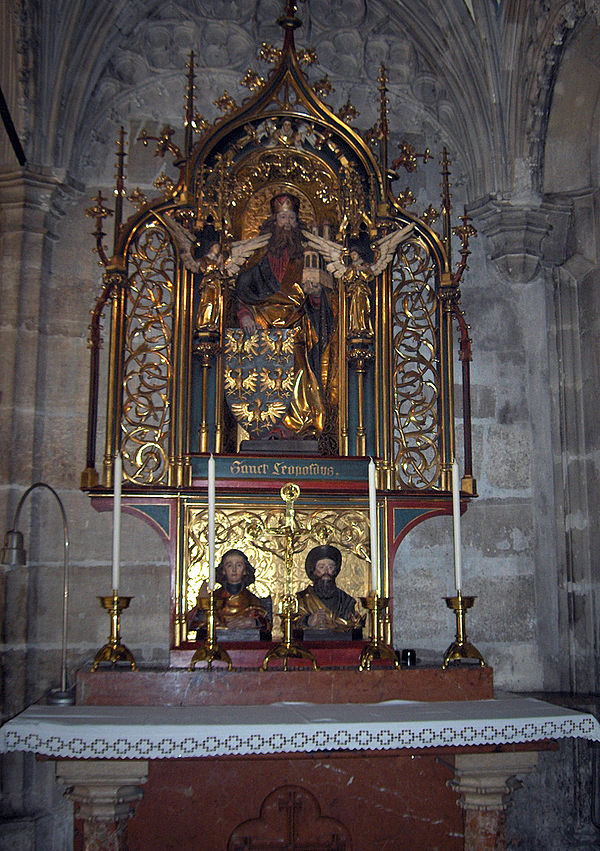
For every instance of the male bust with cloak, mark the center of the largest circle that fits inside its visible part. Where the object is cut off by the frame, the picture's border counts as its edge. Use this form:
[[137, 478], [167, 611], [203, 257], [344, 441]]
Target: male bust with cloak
[[322, 605], [236, 606]]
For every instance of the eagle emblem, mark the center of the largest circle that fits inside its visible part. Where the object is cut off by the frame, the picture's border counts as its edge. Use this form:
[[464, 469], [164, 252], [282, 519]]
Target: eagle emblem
[[259, 377]]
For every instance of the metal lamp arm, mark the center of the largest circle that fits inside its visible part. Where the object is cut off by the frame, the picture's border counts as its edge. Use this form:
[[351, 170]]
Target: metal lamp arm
[[66, 542]]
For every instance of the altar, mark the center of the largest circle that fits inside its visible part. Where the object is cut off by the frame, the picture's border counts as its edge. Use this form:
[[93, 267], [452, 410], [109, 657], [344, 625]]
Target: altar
[[281, 408], [174, 759]]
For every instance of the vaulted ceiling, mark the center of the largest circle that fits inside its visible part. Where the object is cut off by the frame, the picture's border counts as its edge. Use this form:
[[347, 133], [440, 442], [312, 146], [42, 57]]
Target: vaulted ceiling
[[474, 76]]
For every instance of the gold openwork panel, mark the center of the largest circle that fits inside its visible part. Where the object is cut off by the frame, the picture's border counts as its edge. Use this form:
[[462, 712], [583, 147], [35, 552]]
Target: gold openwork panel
[[147, 367], [267, 173], [257, 532], [415, 377]]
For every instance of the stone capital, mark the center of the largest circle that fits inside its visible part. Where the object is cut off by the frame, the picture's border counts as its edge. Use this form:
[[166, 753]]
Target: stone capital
[[105, 790], [33, 200], [522, 238], [485, 781]]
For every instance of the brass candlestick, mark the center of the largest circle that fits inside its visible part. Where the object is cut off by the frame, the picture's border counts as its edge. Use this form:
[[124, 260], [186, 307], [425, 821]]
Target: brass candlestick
[[114, 651], [376, 649], [288, 648], [209, 650], [461, 648]]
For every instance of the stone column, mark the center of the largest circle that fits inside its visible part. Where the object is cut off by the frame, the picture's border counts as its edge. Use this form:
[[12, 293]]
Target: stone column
[[105, 792], [484, 782]]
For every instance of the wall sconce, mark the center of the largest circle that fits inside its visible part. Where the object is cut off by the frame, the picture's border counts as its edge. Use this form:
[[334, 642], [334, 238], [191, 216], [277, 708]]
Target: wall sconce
[[13, 555]]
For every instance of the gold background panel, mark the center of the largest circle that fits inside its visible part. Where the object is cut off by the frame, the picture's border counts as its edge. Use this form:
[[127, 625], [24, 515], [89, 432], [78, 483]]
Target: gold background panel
[[258, 531]]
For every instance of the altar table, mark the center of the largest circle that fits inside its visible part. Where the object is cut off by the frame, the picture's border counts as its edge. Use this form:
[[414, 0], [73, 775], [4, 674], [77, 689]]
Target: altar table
[[328, 776], [175, 732]]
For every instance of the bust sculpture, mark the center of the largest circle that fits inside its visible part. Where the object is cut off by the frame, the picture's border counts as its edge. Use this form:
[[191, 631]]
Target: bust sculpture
[[323, 605], [236, 607]]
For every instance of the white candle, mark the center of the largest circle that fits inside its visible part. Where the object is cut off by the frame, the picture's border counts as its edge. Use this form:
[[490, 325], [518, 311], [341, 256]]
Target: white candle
[[456, 519], [211, 523], [373, 527], [116, 553]]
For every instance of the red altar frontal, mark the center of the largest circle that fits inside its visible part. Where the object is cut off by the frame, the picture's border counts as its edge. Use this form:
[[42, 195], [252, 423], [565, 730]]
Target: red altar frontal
[[303, 759], [323, 798]]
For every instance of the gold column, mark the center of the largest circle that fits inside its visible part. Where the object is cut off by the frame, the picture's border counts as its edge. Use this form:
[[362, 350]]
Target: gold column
[[344, 379], [206, 348], [115, 373], [179, 569], [219, 389], [181, 353], [357, 355], [447, 296], [383, 398]]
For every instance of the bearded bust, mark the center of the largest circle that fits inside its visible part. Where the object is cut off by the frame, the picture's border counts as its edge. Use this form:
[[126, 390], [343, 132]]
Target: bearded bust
[[323, 605]]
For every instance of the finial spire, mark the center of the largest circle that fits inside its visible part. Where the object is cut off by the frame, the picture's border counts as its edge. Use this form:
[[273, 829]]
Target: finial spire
[[119, 186], [446, 204], [189, 108], [289, 22], [383, 118]]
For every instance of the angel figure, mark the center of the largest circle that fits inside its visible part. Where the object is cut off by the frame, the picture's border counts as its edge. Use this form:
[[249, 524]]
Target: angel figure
[[208, 314], [201, 254], [365, 264], [357, 279]]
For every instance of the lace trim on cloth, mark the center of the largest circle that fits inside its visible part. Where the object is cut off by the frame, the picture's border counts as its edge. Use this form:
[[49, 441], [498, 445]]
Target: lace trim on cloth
[[171, 732]]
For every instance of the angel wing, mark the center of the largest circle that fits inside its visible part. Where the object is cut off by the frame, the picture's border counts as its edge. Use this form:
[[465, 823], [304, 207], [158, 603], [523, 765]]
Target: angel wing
[[332, 252], [387, 246], [242, 249], [185, 241]]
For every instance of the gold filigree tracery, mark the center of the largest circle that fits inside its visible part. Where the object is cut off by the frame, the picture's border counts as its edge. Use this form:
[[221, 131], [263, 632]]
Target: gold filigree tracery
[[415, 377], [147, 368]]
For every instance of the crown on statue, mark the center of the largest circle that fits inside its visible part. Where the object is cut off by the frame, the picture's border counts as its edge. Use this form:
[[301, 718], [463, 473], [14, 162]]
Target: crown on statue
[[285, 202]]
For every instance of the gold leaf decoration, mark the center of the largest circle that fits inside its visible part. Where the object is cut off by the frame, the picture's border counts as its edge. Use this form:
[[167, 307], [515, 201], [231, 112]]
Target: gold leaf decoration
[[225, 103], [406, 198], [430, 215], [137, 198], [252, 80], [323, 87], [165, 185], [307, 57], [348, 112], [99, 211], [269, 53]]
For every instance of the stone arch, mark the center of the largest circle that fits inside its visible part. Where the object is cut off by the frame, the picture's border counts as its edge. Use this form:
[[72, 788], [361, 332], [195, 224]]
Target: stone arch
[[571, 172]]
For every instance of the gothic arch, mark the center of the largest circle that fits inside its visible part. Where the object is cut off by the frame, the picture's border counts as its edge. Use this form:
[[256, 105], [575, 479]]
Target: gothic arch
[[571, 173]]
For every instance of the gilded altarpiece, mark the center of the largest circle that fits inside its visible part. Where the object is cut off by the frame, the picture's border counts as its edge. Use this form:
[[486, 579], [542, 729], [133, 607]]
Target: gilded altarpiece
[[366, 328]]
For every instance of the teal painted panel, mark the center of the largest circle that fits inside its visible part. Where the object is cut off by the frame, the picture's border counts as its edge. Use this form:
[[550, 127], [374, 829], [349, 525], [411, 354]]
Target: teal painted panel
[[159, 513], [317, 469], [404, 516]]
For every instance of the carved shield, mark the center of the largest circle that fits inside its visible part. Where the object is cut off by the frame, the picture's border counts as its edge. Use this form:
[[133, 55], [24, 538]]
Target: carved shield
[[259, 377]]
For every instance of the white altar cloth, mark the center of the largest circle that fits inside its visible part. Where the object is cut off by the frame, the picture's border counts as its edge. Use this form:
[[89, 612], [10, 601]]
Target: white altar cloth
[[170, 732]]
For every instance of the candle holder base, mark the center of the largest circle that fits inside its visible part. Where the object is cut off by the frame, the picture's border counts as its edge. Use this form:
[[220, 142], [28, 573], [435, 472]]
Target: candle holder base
[[289, 648], [114, 652], [58, 697], [461, 648], [376, 650], [209, 650]]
